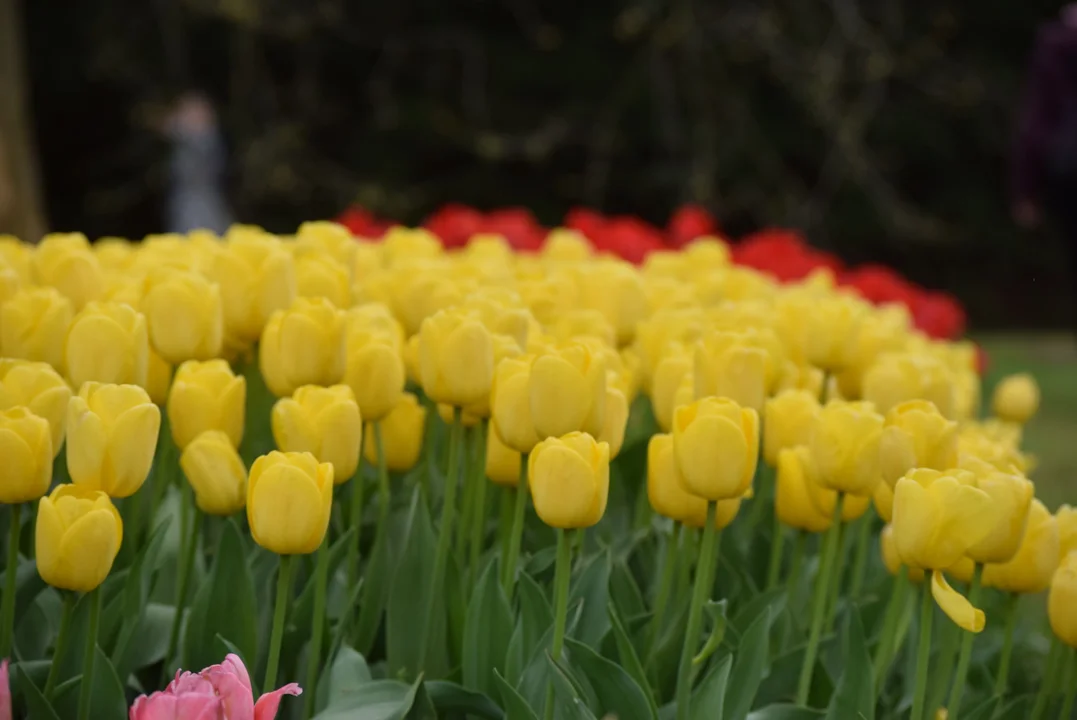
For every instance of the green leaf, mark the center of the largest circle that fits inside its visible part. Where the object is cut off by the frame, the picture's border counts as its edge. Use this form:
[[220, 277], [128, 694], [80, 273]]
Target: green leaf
[[377, 579], [347, 674], [708, 700], [748, 668], [785, 712], [771, 600], [149, 640], [107, 699], [593, 588], [716, 614], [983, 711], [535, 617], [28, 584], [226, 604], [450, 699], [626, 651], [781, 682], [377, 700], [515, 706], [421, 706], [39, 707], [625, 591], [617, 693], [487, 631], [855, 695], [303, 610], [568, 705], [541, 561]]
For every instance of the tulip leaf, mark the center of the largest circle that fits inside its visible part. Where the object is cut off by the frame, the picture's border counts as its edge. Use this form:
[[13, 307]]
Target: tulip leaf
[[855, 695], [535, 615], [107, 699], [28, 584], [592, 586], [376, 700], [568, 705], [347, 673], [450, 699], [983, 711], [625, 591], [149, 639], [626, 651], [785, 712], [134, 604], [487, 631], [708, 700], [377, 585], [226, 604], [773, 600], [536, 674], [39, 707], [617, 693], [516, 706], [749, 666]]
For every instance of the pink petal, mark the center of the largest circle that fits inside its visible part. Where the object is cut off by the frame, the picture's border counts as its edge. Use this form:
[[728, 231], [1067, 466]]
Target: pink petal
[[189, 682], [166, 706], [266, 707], [235, 693], [234, 663], [5, 692]]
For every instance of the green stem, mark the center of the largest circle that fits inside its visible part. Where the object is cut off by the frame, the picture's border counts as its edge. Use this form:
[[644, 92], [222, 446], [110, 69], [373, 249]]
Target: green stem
[[441, 557], [185, 568], [162, 476], [952, 638], [562, 573], [384, 493], [60, 649], [508, 577], [834, 588], [478, 521], [88, 658], [11, 571], [314, 660], [819, 604], [894, 608], [923, 653], [467, 501], [792, 587], [860, 558], [1007, 646], [777, 542], [1070, 683], [1050, 676], [665, 588], [953, 706], [700, 594], [504, 524], [355, 518], [280, 612]]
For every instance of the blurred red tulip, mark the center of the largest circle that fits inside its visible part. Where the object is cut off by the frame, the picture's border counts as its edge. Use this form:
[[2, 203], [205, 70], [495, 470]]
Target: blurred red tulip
[[689, 222]]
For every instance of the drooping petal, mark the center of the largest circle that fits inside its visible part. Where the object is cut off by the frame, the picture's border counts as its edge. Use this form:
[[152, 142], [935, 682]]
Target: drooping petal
[[955, 605], [266, 707]]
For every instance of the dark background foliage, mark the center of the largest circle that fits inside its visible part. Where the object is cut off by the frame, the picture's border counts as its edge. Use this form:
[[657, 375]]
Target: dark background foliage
[[881, 128]]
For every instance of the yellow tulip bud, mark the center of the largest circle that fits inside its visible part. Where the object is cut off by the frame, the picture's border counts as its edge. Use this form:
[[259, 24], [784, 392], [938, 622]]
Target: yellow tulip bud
[[502, 313], [324, 422], [664, 487], [613, 431], [824, 499], [19, 256], [374, 370], [502, 462], [111, 437], [319, 275], [939, 516], [883, 499], [78, 535], [1016, 398], [669, 374], [402, 433], [1030, 569], [716, 444], [107, 343], [845, 447], [615, 290], [66, 262], [257, 278], [916, 435], [38, 387], [9, 281], [657, 333], [468, 418], [183, 312], [206, 396], [895, 378], [115, 253], [890, 556], [420, 292], [303, 345], [404, 246], [329, 237], [796, 376], [582, 322], [1062, 599], [456, 358], [411, 360], [570, 480], [793, 500], [725, 366], [567, 246], [216, 473], [26, 446], [158, 378], [510, 403], [34, 325], [1012, 496], [1067, 529], [568, 390], [788, 420], [832, 331], [289, 500]]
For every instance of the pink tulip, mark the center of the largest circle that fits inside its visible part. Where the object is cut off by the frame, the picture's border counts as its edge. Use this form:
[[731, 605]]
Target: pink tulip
[[220, 692], [5, 692]]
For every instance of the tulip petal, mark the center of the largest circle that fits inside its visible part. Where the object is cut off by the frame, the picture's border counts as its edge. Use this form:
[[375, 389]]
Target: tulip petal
[[87, 551], [266, 707], [915, 520], [286, 510], [48, 535], [131, 447], [955, 605], [87, 443]]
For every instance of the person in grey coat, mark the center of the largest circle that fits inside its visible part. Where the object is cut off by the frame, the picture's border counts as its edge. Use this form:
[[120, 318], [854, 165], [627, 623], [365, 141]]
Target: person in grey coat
[[196, 191]]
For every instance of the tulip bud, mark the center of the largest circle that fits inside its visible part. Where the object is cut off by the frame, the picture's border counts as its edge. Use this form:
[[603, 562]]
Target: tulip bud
[[34, 324], [669, 373], [324, 422], [832, 331], [66, 262], [916, 435], [303, 345], [256, 276], [845, 447], [26, 446], [38, 387], [897, 377], [568, 390], [667, 495], [107, 343], [716, 444], [319, 275], [939, 516], [1016, 398], [402, 245], [1030, 569], [206, 396], [111, 437], [77, 538], [570, 480], [289, 500], [183, 312], [216, 473], [402, 434], [1012, 496], [510, 404], [374, 370], [1062, 599], [883, 499], [615, 290], [788, 420], [613, 431], [793, 502], [1067, 529], [456, 358], [19, 256], [891, 559], [581, 322], [796, 376], [566, 246], [502, 462], [158, 378], [725, 366]]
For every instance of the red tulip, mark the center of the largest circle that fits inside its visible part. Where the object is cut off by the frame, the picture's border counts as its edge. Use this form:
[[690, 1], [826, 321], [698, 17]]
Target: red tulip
[[689, 222]]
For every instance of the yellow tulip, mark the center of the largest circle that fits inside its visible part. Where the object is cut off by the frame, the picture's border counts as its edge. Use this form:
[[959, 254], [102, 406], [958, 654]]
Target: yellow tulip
[[502, 312], [34, 325], [467, 417], [403, 246], [329, 237], [320, 275], [216, 473], [115, 253], [883, 499], [19, 256], [568, 390], [26, 446], [1067, 529], [916, 435], [824, 499], [885, 330], [374, 369], [77, 538], [570, 480], [289, 500], [582, 322], [793, 501], [256, 275], [890, 556], [10, 283], [502, 462], [402, 433], [845, 447], [788, 420], [324, 422], [183, 312], [939, 516], [1030, 569], [38, 387], [669, 373], [716, 444], [655, 335], [798, 376], [566, 246], [832, 330], [303, 345], [456, 358], [726, 366], [897, 377], [510, 403], [206, 396], [411, 359], [1012, 497], [107, 343], [615, 289], [613, 431], [158, 378], [66, 262], [1062, 599], [1016, 398]]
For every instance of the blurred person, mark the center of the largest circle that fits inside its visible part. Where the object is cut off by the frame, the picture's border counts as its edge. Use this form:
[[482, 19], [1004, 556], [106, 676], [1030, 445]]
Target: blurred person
[[196, 198]]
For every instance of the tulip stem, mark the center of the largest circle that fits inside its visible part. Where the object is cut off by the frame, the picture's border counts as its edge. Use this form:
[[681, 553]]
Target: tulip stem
[[562, 573], [894, 608], [1069, 681], [665, 588], [355, 519], [7, 632], [1007, 646], [280, 612], [504, 525], [792, 584], [834, 585], [820, 600], [441, 557], [508, 576], [60, 648], [860, 558], [478, 522], [88, 658], [923, 652], [185, 568], [314, 659], [953, 706], [700, 593], [467, 500], [777, 543], [1047, 684]]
